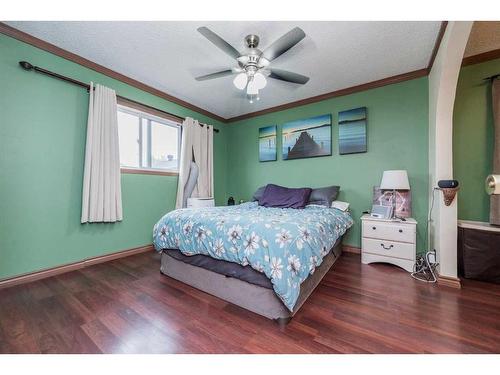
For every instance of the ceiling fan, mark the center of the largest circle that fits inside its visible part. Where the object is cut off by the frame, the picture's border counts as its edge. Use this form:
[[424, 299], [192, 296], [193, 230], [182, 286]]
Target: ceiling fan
[[253, 65]]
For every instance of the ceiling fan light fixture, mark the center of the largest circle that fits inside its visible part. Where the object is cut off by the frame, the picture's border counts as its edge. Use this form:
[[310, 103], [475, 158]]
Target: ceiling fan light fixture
[[240, 81], [252, 88], [259, 81], [263, 62]]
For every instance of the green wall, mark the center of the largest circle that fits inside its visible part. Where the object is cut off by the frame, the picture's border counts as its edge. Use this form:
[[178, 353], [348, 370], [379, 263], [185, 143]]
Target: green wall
[[473, 133], [42, 140], [397, 139], [42, 143]]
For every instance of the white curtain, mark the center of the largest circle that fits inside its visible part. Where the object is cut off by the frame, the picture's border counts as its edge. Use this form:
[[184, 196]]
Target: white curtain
[[197, 147], [102, 197]]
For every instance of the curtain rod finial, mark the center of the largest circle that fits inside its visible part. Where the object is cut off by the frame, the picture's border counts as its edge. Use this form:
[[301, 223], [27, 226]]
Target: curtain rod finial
[[25, 65]]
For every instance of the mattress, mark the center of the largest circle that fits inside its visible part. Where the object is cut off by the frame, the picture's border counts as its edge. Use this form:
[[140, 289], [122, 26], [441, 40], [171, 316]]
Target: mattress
[[228, 269]]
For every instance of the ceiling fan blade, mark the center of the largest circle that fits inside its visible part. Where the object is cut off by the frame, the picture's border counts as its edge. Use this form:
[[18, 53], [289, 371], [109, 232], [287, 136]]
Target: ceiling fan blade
[[284, 43], [219, 42], [285, 75], [222, 73]]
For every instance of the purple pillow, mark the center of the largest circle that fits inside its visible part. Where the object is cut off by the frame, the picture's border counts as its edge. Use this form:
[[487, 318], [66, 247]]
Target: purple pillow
[[283, 197]]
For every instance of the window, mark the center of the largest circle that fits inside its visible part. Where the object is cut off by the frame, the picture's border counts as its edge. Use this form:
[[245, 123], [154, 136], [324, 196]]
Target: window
[[147, 142]]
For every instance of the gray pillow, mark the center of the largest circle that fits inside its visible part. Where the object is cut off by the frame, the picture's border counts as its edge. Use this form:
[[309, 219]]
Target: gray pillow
[[324, 196], [258, 193]]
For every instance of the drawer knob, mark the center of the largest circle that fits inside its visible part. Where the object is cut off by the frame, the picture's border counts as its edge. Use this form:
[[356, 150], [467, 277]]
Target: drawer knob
[[400, 231], [387, 248], [374, 228]]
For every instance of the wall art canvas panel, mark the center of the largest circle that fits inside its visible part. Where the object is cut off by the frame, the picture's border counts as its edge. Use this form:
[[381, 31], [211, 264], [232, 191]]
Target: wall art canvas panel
[[267, 143], [352, 131], [403, 200], [307, 138]]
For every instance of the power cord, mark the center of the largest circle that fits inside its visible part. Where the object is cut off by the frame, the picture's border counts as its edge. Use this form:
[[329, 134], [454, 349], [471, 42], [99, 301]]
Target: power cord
[[429, 217], [424, 269]]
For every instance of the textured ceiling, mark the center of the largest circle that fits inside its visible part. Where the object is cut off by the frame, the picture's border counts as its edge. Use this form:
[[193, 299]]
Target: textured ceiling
[[484, 37], [168, 55]]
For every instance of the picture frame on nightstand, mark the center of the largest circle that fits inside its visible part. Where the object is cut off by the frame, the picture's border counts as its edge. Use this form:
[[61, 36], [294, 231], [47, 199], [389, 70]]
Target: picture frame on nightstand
[[384, 198]]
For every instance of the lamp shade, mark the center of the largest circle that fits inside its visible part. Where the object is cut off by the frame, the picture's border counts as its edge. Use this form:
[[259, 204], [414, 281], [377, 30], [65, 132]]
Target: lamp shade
[[395, 180]]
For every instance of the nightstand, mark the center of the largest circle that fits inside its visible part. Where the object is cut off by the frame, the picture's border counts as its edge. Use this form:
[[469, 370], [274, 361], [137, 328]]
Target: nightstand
[[389, 241]]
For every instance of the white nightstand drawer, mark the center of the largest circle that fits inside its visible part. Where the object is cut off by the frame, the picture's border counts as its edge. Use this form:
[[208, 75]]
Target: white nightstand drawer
[[389, 248], [389, 231], [407, 264]]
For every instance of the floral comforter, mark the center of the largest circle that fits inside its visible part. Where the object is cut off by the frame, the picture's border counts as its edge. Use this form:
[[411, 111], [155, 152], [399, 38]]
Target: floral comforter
[[285, 244]]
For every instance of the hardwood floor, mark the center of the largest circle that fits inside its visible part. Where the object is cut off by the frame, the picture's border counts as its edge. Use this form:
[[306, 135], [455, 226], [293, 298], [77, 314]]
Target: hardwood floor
[[127, 306]]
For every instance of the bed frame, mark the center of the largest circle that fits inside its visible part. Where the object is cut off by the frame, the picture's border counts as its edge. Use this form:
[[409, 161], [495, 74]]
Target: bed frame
[[258, 299]]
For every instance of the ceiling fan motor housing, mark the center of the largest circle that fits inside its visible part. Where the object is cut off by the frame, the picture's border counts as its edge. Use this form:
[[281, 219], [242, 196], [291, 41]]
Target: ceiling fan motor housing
[[252, 41]]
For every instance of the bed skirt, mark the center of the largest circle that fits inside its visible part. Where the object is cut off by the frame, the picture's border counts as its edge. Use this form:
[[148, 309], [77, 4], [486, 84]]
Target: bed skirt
[[260, 300]]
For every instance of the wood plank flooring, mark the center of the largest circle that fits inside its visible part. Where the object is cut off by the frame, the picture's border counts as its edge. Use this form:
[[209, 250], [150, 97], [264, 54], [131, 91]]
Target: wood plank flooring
[[127, 306]]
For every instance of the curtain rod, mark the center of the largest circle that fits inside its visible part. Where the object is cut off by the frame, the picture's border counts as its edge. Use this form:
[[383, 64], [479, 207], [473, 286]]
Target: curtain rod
[[27, 66], [491, 78]]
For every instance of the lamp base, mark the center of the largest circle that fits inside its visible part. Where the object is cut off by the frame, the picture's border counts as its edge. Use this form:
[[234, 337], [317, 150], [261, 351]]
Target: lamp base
[[393, 204]]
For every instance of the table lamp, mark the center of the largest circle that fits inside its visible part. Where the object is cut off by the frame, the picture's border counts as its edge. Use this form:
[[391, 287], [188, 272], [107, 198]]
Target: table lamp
[[394, 180]]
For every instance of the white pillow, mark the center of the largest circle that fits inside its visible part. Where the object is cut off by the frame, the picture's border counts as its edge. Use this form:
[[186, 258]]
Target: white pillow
[[339, 205]]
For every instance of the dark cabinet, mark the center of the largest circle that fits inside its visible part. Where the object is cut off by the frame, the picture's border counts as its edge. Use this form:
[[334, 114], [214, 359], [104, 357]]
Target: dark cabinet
[[479, 254]]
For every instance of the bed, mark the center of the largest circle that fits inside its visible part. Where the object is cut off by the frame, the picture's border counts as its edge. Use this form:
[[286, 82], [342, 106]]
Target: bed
[[267, 260]]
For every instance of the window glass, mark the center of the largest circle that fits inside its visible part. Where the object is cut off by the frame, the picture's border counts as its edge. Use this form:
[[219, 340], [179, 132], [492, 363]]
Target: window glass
[[147, 141], [128, 132], [164, 146]]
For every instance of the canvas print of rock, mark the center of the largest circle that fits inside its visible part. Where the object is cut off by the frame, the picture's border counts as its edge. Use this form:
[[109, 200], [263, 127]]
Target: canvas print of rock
[[352, 131], [267, 143], [307, 138]]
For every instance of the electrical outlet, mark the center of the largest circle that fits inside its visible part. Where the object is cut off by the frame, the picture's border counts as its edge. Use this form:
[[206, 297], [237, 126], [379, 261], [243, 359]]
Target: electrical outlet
[[432, 256]]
